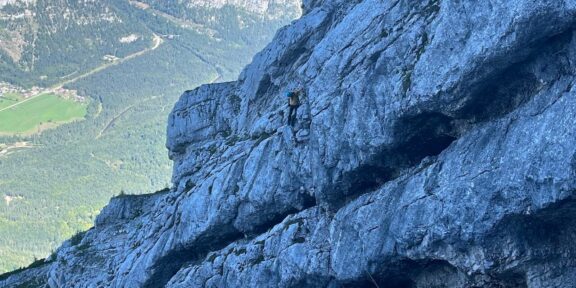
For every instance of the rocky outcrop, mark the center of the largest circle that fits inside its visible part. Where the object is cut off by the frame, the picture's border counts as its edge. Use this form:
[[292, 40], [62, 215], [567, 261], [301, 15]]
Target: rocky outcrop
[[434, 148]]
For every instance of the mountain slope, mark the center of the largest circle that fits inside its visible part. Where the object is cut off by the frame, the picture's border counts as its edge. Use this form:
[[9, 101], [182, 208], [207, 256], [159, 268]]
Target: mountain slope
[[45, 42], [434, 148], [54, 183], [49, 41]]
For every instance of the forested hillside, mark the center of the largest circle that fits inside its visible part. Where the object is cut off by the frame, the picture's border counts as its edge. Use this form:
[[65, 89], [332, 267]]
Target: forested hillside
[[54, 184], [47, 41]]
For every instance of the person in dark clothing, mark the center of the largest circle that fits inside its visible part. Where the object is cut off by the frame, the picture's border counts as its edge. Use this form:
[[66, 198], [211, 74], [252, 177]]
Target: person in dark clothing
[[293, 103]]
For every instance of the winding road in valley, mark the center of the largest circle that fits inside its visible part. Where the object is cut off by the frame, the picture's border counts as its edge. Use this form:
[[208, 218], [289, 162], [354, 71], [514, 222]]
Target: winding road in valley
[[157, 41]]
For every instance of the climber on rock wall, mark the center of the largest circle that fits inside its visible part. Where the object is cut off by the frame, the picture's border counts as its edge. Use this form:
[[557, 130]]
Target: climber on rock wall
[[293, 103]]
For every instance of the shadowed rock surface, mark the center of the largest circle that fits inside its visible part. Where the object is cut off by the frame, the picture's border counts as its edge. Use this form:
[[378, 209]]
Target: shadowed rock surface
[[435, 147]]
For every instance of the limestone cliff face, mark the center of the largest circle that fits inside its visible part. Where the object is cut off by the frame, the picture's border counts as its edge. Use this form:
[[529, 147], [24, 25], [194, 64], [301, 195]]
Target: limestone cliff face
[[435, 147]]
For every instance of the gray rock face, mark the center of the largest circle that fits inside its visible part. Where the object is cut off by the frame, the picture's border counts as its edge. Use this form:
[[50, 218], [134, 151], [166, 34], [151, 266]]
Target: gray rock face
[[435, 147]]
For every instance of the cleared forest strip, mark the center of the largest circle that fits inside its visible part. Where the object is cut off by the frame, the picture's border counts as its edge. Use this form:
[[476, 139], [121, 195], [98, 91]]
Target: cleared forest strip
[[109, 125]]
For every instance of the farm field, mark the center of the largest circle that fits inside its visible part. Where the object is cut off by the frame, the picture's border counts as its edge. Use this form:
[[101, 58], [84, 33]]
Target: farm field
[[44, 111], [9, 99]]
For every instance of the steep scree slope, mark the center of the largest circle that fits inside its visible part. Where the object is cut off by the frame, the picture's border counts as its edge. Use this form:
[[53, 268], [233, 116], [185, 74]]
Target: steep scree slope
[[435, 148]]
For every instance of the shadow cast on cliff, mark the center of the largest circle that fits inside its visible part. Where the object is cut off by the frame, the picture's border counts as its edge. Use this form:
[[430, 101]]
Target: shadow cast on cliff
[[169, 264], [544, 237], [427, 133]]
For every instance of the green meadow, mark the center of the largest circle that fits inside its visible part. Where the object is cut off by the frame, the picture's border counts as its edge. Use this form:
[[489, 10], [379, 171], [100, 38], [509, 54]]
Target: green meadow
[[44, 111], [9, 99]]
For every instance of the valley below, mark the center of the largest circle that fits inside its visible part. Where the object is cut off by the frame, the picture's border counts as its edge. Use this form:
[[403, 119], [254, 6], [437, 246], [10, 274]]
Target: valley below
[[83, 106]]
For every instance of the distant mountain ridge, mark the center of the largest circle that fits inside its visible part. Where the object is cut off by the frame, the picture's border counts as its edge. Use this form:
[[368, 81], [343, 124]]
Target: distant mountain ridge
[[6, 2], [264, 7], [45, 42]]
